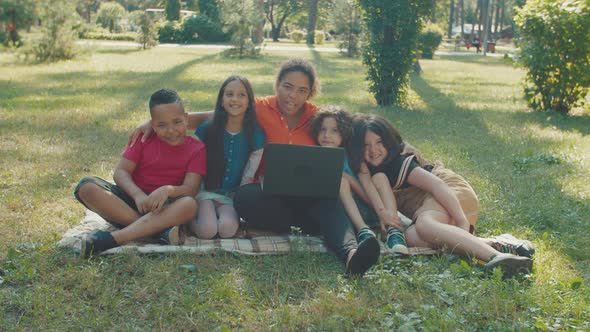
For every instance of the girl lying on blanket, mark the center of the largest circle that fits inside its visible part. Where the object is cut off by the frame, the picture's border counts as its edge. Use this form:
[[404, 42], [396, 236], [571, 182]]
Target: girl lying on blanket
[[438, 200]]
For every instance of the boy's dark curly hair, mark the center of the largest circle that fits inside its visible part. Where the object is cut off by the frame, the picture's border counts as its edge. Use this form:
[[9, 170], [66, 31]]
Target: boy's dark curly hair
[[343, 122]]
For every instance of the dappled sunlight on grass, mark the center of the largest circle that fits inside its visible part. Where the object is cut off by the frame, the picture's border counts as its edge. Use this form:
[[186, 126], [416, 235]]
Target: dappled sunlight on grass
[[64, 121]]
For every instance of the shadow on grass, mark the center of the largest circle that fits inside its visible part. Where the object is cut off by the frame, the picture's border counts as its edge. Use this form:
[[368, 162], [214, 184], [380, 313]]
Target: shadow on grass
[[123, 51], [530, 199]]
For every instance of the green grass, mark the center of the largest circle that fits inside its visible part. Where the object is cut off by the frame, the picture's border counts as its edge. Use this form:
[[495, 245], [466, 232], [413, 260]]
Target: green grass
[[63, 121]]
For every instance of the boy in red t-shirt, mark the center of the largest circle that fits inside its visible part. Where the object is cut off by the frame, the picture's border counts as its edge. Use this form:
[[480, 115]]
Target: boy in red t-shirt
[[156, 182]]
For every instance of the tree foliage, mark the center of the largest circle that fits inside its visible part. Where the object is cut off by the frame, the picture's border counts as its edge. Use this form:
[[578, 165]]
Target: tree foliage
[[240, 19], [346, 19], [109, 14], [390, 46], [16, 15], [555, 45], [277, 11], [172, 10], [59, 36], [146, 34], [429, 40]]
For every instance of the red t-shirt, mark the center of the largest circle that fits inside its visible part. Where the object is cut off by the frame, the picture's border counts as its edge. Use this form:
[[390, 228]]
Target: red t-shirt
[[158, 164]]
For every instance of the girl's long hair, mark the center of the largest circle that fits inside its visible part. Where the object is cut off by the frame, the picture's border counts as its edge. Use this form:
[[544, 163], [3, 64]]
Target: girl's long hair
[[390, 137], [214, 135]]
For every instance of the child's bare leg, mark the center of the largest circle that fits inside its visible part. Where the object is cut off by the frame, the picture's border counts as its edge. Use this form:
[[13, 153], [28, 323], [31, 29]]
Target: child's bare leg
[[350, 206], [106, 204], [432, 227], [228, 221], [205, 225], [383, 187], [177, 213]]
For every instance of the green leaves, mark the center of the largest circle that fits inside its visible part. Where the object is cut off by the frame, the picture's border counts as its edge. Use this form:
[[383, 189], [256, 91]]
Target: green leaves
[[555, 42]]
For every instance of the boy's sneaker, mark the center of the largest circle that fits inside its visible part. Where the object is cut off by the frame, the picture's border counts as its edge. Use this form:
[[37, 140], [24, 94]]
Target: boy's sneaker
[[365, 233], [507, 243], [172, 236], [396, 242], [96, 242], [366, 255], [510, 264]]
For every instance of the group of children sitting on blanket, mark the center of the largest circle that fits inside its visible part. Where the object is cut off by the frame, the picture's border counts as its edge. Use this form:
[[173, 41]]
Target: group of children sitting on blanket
[[158, 179]]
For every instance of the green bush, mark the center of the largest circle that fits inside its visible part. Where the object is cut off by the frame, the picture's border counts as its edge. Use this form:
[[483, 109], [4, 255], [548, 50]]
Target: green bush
[[58, 41], [555, 50], [319, 37], [297, 36], [429, 40], [389, 49], [199, 28], [169, 32], [111, 36]]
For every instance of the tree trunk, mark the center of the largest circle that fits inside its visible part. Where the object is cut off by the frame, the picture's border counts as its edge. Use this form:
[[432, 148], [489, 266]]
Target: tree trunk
[[258, 36], [275, 32], [475, 16], [451, 17], [311, 21], [462, 13]]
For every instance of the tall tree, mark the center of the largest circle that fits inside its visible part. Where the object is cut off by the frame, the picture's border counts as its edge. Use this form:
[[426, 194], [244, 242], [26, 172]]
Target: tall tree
[[172, 10], [451, 19], [312, 20], [277, 12], [258, 34], [109, 14], [462, 14], [392, 32]]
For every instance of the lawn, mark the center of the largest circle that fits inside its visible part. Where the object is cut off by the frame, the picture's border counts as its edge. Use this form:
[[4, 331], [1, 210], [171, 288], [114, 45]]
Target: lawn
[[63, 121]]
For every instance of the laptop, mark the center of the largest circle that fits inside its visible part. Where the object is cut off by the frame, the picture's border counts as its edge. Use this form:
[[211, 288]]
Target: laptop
[[302, 170]]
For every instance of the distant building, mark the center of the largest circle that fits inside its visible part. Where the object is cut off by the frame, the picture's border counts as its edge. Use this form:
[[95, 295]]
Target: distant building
[[160, 13]]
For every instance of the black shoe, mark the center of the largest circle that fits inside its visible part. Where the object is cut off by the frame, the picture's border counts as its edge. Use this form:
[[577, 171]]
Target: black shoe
[[364, 234], [96, 242], [511, 265], [509, 244], [366, 255]]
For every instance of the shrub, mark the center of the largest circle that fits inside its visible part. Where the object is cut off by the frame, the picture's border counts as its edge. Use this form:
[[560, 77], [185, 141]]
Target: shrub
[[109, 14], [319, 37], [59, 37], [297, 36], [555, 49], [429, 40], [169, 32], [199, 28], [388, 53], [110, 36], [146, 35]]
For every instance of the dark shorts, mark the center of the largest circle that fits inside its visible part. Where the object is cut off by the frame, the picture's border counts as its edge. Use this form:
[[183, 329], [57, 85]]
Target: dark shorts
[[109, 187]]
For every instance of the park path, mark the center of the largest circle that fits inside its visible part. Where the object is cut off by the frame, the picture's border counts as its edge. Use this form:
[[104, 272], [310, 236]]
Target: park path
[[269, 47]]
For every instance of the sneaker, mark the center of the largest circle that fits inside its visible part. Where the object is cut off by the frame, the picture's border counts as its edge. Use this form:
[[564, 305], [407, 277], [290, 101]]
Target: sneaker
[[509, 244], [396, 242], [96, 242], [365, 233], [510, 264], [172, 236], [366, 255]]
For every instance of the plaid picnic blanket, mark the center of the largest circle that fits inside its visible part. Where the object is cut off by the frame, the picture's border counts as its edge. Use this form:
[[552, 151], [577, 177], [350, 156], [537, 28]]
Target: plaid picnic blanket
[[248, 242]]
